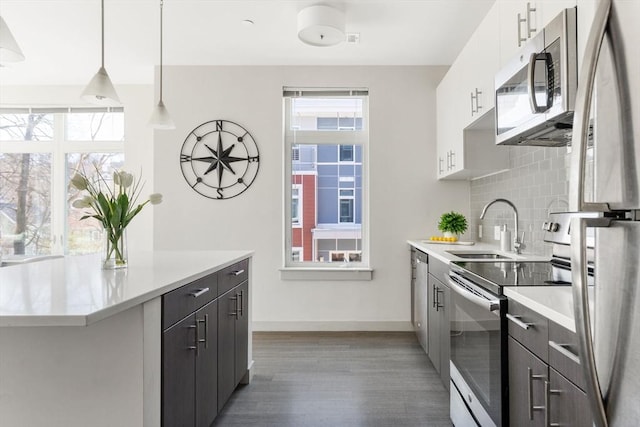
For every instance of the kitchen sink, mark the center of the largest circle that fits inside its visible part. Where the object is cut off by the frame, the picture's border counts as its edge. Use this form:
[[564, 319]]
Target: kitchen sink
[[479, 255]]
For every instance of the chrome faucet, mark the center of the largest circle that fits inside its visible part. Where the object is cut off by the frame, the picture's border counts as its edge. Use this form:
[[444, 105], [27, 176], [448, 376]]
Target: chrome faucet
[[518, 242]]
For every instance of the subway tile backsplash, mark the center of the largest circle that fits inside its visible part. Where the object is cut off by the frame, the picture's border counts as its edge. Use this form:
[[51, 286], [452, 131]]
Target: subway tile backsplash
[[537, 183]]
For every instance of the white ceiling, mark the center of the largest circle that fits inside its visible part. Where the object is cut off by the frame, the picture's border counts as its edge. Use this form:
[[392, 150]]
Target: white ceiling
[[61, 38]]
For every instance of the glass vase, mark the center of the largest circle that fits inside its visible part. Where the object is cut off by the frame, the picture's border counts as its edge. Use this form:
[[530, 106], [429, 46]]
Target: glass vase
[[114, 249]]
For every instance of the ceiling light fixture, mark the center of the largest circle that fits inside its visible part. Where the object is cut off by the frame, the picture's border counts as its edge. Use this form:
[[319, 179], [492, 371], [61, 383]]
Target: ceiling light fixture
[[9, 49], [160, 118], [100, 89], [321, 25]]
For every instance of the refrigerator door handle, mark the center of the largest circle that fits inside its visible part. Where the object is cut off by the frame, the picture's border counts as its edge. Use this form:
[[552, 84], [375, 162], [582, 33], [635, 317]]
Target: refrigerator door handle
[[581, 311], [584, 96]]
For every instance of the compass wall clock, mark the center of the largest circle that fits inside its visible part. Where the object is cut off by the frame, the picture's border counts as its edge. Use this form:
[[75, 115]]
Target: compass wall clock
[[219, 159]]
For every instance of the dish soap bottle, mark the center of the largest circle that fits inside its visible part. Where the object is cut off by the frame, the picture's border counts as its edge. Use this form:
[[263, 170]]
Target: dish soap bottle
[[505, 239]]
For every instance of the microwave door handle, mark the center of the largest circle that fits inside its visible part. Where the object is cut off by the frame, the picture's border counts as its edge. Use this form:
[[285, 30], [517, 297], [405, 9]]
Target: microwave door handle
[[584, 96], [489, 305], [531, 74]]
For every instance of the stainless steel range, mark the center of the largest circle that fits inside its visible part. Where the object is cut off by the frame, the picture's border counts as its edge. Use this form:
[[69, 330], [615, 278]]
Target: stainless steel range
[[479, 326]]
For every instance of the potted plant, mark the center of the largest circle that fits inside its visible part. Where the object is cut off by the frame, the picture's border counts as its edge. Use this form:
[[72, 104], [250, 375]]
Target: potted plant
[[452, 223]]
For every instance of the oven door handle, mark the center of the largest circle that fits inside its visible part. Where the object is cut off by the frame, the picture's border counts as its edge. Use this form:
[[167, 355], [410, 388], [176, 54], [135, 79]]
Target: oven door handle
[[490, 305]]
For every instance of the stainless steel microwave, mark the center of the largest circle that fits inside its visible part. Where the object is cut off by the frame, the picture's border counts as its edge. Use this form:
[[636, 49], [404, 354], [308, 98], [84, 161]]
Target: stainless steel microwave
[[535, 92]]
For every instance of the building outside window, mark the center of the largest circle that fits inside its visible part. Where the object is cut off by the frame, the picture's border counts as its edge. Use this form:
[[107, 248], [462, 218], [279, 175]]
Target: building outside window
[[40, 150], [326, 135]]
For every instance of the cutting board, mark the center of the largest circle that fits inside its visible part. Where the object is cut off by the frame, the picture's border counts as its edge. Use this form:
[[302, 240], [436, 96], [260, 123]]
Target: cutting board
[[435, 242]]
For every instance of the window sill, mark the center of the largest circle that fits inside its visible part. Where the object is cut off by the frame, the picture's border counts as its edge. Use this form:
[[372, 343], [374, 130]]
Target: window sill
[[339, 273]]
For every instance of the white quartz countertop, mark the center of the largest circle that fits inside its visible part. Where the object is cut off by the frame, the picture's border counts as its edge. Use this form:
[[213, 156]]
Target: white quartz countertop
[[442, 251], [75, 291], [553, 302]]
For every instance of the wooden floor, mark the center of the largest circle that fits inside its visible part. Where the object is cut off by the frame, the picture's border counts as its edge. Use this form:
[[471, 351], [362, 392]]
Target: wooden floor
[[368, 379]]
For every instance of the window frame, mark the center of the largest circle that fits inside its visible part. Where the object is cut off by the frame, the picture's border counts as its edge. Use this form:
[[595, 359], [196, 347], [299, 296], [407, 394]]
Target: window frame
[[59, 146], [292, 136]]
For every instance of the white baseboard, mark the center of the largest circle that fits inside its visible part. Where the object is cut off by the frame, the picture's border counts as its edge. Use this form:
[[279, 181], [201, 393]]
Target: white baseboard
[[400, 326]]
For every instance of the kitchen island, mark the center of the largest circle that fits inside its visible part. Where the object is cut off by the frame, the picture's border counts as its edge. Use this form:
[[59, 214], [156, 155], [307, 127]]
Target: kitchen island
[[82, 346]]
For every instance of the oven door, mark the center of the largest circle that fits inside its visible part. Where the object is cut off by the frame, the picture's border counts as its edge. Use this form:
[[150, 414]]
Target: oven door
[[478, 349]]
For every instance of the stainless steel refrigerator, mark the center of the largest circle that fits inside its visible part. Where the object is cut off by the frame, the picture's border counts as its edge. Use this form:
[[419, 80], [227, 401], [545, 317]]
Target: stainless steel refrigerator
[[605, 178]]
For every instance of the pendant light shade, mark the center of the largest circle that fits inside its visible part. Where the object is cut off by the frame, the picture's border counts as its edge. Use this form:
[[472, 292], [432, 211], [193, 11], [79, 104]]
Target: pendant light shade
[[100, 90], [9, 49], [160, 118]]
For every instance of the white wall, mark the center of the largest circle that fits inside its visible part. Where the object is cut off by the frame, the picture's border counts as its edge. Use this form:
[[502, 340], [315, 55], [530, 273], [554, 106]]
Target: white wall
[[405, 198], [138, 102]]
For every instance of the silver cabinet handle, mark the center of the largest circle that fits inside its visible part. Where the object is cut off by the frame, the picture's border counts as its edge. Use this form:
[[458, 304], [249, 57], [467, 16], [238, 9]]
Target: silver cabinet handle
[[434, 296], [530, 29], [518, 322], [520, 38], [477, 98], [547, 404], [440, 161], [240, 303], [206, 331], [438, 292], [453, 156], [530, 378], [584, 96], [199, 292], [581, 312], [449, 160], [237, 272], [235, 312], [473, 108], [195, 346], [562, 349]]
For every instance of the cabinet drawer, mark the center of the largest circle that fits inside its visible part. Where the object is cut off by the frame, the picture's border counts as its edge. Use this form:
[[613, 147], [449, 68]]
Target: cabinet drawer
[[187, 299], [232, 276], [563, 354], [439, 269], [529, 328]]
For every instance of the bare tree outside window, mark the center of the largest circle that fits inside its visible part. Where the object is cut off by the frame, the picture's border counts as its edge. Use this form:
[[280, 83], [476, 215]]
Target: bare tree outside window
[[27, 167], [25, 182]]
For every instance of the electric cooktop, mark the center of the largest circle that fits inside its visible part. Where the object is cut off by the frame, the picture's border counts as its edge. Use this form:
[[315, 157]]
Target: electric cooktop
[[495, 275]]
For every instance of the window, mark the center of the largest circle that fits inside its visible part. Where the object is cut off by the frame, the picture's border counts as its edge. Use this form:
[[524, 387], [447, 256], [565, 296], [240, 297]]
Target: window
[[40, 150], [346, 153], [295, 204], [326, 138], [346, 206]]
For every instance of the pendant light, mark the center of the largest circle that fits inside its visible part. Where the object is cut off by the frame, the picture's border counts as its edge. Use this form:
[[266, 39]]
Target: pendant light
[[160, 118], [100, 90], [9, 49]]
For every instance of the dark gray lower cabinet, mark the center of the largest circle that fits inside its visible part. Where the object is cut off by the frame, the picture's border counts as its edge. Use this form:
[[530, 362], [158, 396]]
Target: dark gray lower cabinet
[[205, 342], [178, 374], [527, 375], [439, 296], [233, 327], [207, 365], [189, 369], [544, 373]]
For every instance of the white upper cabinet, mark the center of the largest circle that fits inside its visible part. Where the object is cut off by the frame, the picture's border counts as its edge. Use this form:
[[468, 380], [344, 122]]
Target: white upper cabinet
[[465, 101], [520, 20]]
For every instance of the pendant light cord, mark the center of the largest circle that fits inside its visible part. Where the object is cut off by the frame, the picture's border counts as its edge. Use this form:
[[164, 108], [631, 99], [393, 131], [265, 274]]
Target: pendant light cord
[[102, 3], [161, 4]]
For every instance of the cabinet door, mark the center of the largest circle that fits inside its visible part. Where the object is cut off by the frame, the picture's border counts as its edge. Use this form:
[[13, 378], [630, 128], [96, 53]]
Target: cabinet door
[[434, 322], [445, 334], [242, 333], [568, 405], [527, 375], [227, 313], [421, 301], [207, 365], [178, 374]]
